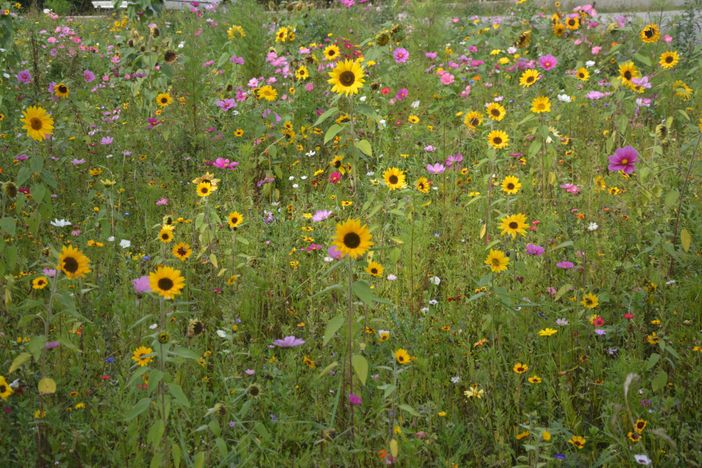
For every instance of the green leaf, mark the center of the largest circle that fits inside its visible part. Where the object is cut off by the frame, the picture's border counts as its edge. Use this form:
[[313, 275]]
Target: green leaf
[[19, 361], [659, 380], [332, 132], [685, 239], [177, 392], [643, 59], [199, 461], [36, 345], [360, 366], [387, 389], [184, 353], [332, 327], [563, 289], [671, 199], [156, 432], [329, 112], [409, 409], [652, 361], [362, 290], [563, 245], [141, 406], [9, 225], [365, 147], [328, 369]]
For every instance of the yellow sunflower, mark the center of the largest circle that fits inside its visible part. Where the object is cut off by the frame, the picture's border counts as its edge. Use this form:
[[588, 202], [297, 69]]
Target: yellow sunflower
[[352, 238], [394, 178], [590, 301], [234, 219], [182, 251], [582, 74], [495, 111], [40, 282], [302, 73], [627, 72], [205, 189], [167, 282], [529, 77], [669, 59], [143, 356], [61, 90], [422, 185], [5, 389], [497, 261], [331, 52], [540, 105], [511, 185], [73, 263], [267, 92], [38, 123], [164, 100], [375, 269], [682, 90], [473, 120], [572, 22], [402, 356], [498, 139], [650, 34], [513, 225], [347, 77]]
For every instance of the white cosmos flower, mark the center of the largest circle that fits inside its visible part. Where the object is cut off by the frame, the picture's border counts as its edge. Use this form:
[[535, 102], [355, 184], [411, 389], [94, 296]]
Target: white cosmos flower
[[564, 98], [60, 222], [435, 280], [125, 244], [221, 333], [592, 226]]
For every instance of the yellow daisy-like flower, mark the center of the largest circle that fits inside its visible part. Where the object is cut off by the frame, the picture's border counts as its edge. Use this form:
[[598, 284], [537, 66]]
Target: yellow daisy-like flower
[[143, 356], [331, 52], [520, 368], [577, 441], [582, 74], [38, 123], [61, 90], [650, 34], [473, 120], [540, 105], [353, 238], [394, 178], [5, 389], [234, 219], [498, 139], [495, 111], [513, 225], [267, 92], [40, 282], [548, 332], [167, 282], [413, 119], [590, 301], [682, 90], [402, 356], [165, 235], [73, 263], [669, 59], [347, 77], [375, 269], [497, 261], [535, 379], [205, 189], [422, 185], [628, 71], [572, 22], [164, 100], [182, 251], [511, 185], [235, 31], [529, 77], [282, 34], [302, 73]]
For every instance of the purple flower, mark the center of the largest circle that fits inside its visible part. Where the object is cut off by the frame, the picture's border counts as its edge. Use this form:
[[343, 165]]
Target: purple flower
[[50, 272], [533, 249], [454, 159], [289, 342], [570, 188], [88, 76], [106, 140], [77, 162], [24, 77], [226, 104], [52, 344], [141, 285], [562, 322], [565, 265], [623, 159], [402, 93], [548, 62], [334, 252], [162, 202], [436, 168], [321, 215], [595, 95], [355, 400], [222, 163], [400, 55], [600, 331]]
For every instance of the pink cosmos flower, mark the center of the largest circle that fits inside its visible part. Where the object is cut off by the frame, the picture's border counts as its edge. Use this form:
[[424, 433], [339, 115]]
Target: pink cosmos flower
[[623, 159], [321, 215], [400, 55], [570, 188], [548, 62], [88, 76], [436, 168], [446, 78], [289, 342], [141, 285]]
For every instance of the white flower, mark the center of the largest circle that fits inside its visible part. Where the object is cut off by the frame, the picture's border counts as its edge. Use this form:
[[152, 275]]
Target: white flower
[[512, 50], [435, 280], [60, 223], [415, 104], [292, 177], [455, 379], [642, 459], [125, 244], [153, 326], [310, 153], [221, 333], [328, 259], [111, 239], [304, 177], [592, 226], [392, 277], [564, 98], [181, 45], [549, 140], [382, 123], [433, 302], [296, 186], [589, 63], [362, 99]]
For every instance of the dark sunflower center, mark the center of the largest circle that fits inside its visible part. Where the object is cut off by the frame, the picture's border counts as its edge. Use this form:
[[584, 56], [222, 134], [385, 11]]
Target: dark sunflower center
[[182, 251], [3, 389], [165, 284], [374, 271], [70, 264], [347, 78], [495, 112], [352, 240], [497, 140], [35, 123], [254, 391], [204, 190], [529, 79], [331, 53], [627, 75], [669, 59], [393, 179], [474, 122], [510, 186], [496, 261], [401, 358], [648, 33], [235, 220], [513, 225], [62, 89], [164, 100], [165, 236]]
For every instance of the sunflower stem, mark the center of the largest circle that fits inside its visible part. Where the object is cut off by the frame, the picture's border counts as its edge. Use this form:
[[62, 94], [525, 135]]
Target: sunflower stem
[[349, 340]]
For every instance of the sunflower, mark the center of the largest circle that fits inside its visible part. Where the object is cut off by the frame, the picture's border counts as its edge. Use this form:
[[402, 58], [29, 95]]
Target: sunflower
[[422, 185], [523, 40], [40, 282], [195, 327], [375, 269], [558, 28], [495, 111], [165, 235], [164, 100], [513, 225], [38, 123], [331, 52], [302, 73], [5, 389], [239, 132], [497, 261], [234, 219], [682, 90], [529, 77], [61, 90], [413, 119], [167, 282], [472, 120], [73, 262], [520, 368], [337, 162], [170, 56], [205, 189], [669, 59], [498, 139], [650, 34], [347, 77], [577, 441], [143, 356], [511, 185], [582, 74], [282, 34], [572, 22], [541, 105], [352, 238], [267, 92], [182, 251], [402, 356], [627, 72], [590, 301], [394, 178]]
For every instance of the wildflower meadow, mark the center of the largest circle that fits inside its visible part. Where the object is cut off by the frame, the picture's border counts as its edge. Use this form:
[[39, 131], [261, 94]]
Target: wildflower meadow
[[362, 233]]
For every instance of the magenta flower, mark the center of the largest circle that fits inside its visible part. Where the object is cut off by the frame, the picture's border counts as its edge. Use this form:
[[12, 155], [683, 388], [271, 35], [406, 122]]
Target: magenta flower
[[436, 168], [565, 265], [141, 285], [623, 159], [446, 78], [162, 202], [222, 163], [226, 104], [533, 249], [88, 76], [24, 77], [454, 159], [548, 62], [355, 400], [570, 188], [289, 342], [400, 55]]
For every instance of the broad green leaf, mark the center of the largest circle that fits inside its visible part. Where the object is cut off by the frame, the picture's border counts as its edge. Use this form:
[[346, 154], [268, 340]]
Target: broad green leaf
[[659, 380], [563, 289], [155, 432], [365, 147], [328, 369], [9, 225], [360, 366], [332, 132], [409, 409], [332, 327], [184, 353], [361, 289], [329, 112], [36, 345], [685, 239], [141, 406], [19, 361], [177, 392]]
